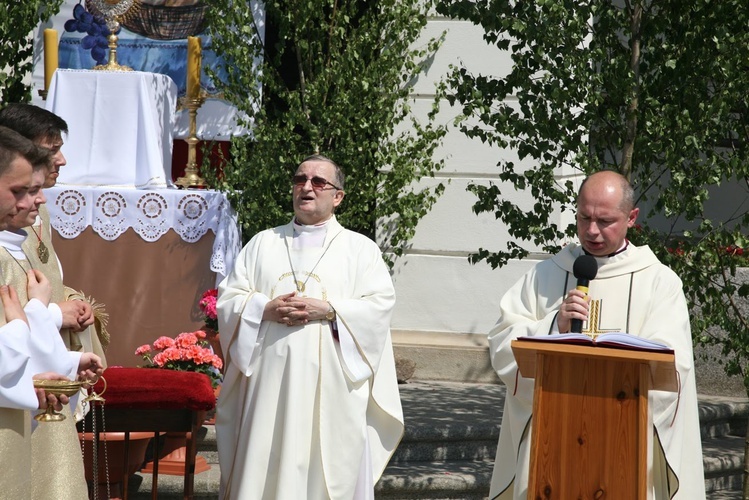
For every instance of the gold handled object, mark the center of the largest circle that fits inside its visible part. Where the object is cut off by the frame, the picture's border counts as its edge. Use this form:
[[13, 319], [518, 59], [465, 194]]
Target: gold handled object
[[64, 388]]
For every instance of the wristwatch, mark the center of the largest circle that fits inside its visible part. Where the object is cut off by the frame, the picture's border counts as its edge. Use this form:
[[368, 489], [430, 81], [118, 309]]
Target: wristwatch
[[330, 315]]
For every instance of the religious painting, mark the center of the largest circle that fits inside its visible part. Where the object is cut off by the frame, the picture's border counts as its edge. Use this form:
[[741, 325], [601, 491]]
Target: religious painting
[[152, 38]]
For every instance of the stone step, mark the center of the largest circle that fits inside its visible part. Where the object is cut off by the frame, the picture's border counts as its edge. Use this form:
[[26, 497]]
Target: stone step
[[723, 416], [723, 461], [455, 479], [459, 479], [448, 447]]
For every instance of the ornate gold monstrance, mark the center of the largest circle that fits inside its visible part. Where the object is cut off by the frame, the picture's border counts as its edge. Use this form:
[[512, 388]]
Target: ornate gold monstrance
[[112, 11]]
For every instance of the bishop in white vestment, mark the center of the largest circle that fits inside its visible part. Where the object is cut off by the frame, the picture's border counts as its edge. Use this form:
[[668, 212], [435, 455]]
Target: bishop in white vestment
[[308, 409]]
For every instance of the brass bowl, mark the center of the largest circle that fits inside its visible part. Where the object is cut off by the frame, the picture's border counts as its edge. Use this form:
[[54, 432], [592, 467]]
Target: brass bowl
[[64, 388], [59, 387]]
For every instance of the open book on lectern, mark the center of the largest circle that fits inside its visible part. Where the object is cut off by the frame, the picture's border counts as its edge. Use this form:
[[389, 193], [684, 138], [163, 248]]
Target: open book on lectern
[[619, 340]]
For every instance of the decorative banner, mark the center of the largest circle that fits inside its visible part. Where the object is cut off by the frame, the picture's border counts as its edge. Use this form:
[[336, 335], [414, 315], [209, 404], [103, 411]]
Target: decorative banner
[[152, 39]]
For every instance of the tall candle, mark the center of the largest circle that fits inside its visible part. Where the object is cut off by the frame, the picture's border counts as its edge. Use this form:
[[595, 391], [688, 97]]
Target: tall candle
[[50, 55], [194, 57]]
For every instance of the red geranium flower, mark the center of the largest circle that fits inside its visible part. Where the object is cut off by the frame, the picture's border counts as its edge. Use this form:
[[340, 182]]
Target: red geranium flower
[[189, 351]]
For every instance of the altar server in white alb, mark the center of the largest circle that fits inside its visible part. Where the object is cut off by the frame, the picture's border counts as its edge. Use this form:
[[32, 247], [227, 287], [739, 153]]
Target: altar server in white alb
[[309, 408], [632, 292]]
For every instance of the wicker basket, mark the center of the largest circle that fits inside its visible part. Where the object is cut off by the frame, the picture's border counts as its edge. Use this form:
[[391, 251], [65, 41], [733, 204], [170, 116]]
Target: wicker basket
[[167, 23]]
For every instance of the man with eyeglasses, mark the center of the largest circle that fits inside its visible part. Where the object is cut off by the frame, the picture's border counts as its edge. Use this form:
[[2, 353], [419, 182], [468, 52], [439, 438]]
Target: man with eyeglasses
[[309, 407]]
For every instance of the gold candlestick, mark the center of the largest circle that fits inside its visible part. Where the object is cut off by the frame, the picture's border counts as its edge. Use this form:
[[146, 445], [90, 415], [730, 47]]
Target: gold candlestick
[[192, 177]]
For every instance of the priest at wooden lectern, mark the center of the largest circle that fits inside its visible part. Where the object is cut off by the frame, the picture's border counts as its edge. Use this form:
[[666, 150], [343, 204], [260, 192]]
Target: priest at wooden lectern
[[632, 292]]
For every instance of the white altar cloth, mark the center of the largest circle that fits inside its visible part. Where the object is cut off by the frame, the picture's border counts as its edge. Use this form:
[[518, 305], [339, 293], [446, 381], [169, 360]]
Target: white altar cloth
[[120, 127], [150, 213]]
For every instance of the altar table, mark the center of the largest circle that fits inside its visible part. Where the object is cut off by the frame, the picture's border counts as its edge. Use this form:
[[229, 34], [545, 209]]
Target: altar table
[[148, 255], [120, 127]]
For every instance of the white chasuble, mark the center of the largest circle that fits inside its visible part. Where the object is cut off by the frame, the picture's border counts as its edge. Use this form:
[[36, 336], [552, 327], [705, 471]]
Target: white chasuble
[[633, 293], [292, 422]]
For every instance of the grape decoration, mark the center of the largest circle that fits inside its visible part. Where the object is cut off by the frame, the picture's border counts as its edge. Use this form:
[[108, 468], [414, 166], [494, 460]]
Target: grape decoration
[[96, 32]]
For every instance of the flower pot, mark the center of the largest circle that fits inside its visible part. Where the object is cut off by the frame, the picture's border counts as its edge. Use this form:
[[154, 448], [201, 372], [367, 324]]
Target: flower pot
[[173, 455], [111, 452], [210, 416], [214, 340]]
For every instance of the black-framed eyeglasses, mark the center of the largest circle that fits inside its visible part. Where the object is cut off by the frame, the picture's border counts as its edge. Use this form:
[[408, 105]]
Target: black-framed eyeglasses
[[317, 182]]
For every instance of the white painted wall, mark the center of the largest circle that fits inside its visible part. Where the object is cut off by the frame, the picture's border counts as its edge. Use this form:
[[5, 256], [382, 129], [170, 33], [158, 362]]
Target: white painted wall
[[437, 289]]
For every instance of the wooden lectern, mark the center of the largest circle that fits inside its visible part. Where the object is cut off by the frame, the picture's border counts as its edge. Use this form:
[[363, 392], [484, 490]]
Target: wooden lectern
[[592, 431]]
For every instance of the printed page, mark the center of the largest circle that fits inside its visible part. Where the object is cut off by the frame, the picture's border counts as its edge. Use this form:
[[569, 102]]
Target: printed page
[[621, 339], [613, 339], [564, 338]]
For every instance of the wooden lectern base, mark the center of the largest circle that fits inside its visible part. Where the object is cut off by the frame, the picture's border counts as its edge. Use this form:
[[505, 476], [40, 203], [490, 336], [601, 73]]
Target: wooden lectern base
[[592, 431], [591, 445]]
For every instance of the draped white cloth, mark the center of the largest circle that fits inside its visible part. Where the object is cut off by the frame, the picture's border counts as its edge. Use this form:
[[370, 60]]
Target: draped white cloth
[[150, 213], [634, 293], [292, 422], [120, 127]]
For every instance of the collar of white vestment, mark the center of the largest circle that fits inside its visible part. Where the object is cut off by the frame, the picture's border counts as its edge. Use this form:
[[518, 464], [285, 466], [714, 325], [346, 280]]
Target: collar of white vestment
[[621, 249], [13, 240], [306, 236]]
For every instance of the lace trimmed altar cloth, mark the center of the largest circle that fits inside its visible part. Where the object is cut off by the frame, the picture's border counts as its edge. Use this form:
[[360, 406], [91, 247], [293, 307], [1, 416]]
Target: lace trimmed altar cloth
[[150, 213]]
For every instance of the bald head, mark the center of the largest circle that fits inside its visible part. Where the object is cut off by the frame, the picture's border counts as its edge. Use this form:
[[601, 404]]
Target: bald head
[[613, 182], [605, 211]]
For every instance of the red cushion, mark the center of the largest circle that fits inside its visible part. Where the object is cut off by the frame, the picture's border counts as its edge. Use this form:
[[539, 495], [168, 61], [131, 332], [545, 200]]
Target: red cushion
[[156, 388]]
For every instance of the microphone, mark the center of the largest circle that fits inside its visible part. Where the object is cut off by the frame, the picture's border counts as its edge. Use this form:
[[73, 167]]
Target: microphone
[[585, 269]]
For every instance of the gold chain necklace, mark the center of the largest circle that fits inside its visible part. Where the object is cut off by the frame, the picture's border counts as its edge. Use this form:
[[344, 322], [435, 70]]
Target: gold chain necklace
[[301, 286], [19, 262]]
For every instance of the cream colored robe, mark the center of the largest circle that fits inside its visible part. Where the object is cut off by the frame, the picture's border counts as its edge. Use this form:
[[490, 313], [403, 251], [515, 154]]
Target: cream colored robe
[[25, 350], [92, 339], [56, 452], [634, 293], [294, 412]]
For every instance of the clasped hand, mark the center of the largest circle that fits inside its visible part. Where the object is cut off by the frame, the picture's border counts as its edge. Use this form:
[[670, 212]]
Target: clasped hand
[[76, 314], [574, 306], [291, 310]]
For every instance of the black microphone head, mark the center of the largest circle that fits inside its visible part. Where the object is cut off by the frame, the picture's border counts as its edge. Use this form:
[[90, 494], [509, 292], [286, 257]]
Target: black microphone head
[[585, 267]]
